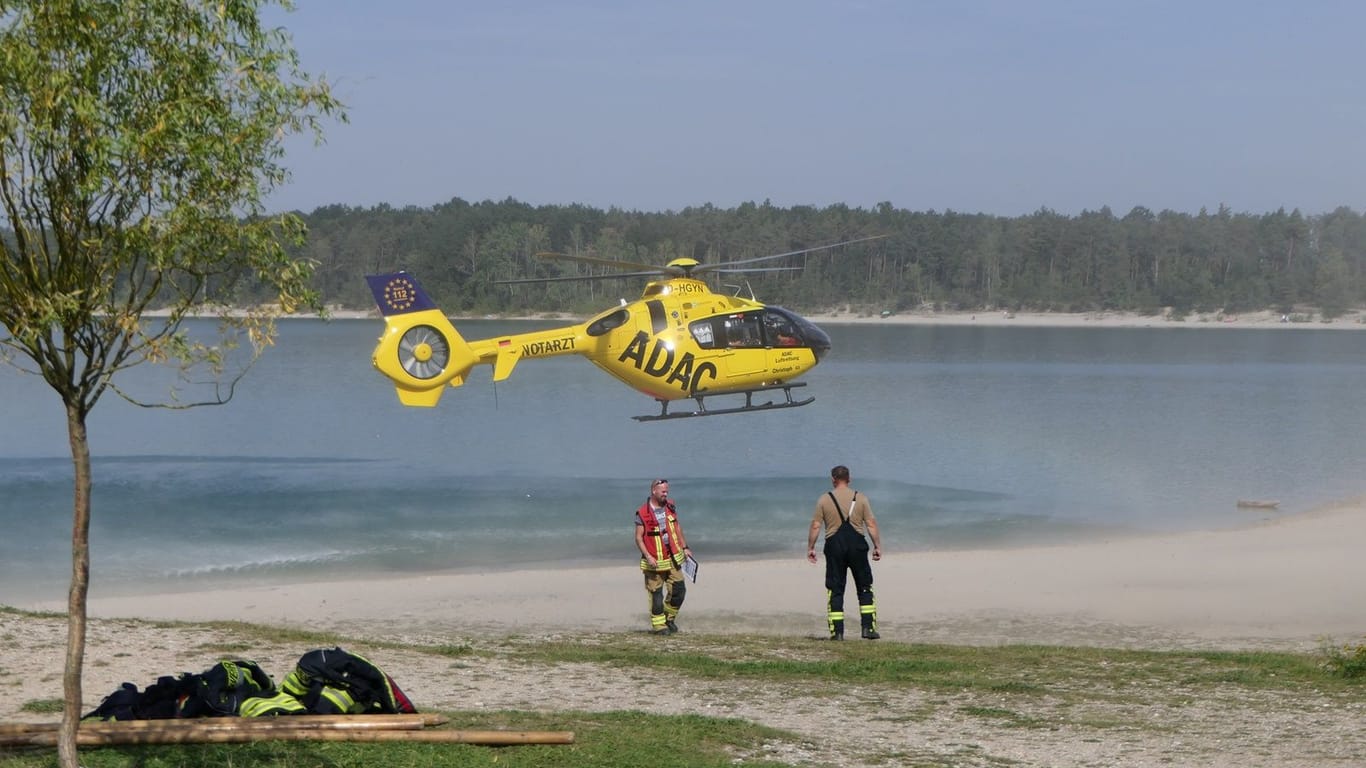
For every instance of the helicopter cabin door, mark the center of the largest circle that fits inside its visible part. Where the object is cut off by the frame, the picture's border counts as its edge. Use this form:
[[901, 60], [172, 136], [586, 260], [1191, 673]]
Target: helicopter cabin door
[[747, 353]]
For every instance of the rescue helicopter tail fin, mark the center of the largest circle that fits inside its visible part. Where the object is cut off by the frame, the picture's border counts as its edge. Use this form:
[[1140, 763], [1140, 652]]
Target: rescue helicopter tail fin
[[420, 351]]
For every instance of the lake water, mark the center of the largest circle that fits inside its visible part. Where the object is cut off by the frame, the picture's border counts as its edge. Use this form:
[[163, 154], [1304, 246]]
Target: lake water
[[961, 436]]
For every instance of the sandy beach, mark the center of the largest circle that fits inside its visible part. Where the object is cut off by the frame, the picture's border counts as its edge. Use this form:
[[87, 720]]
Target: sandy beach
[[1284, 582]]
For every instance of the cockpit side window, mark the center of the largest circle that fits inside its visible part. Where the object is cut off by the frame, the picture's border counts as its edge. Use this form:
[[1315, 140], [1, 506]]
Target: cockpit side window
[[744, 330], [658, 318], [608, 322], [701, 331]]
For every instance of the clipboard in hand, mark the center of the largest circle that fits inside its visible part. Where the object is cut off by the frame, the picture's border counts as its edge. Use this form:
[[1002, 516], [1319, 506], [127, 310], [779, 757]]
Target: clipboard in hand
[[690, 567]]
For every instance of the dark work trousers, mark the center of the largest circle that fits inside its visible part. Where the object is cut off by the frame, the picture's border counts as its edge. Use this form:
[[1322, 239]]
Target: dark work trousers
[[847, 550]]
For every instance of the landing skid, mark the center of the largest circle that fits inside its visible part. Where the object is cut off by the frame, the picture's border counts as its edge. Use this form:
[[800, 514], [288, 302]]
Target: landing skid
[[748, 407]]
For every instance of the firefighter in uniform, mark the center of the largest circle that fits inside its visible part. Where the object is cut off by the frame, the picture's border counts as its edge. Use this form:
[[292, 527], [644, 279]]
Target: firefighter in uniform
[[663, 549], [846, 516]]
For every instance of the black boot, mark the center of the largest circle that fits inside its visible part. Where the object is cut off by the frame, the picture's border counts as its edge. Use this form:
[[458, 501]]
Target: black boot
[[870, 634]]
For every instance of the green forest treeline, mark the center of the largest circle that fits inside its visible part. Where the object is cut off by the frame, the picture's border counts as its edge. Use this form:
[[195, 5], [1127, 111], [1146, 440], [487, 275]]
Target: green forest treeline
[[1141, 262]]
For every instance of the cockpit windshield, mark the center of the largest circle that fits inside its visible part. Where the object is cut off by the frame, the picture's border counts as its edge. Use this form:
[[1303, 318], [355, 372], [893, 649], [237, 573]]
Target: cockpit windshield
[[780, 329]]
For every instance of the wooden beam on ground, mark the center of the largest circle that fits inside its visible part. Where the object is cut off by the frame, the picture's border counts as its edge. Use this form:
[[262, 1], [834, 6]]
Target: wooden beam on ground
[[303, 722]]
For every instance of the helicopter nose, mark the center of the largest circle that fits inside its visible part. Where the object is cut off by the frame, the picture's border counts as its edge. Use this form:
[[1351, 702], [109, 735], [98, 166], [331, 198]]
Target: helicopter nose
[[810, 335], [818, 340]]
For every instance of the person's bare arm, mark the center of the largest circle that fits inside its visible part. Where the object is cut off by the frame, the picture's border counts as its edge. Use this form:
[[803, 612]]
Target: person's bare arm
[[876, 537], [811, 539]]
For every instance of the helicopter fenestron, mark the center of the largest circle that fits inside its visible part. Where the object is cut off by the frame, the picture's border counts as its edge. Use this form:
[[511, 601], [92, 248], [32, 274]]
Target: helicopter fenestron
[[678, 341]]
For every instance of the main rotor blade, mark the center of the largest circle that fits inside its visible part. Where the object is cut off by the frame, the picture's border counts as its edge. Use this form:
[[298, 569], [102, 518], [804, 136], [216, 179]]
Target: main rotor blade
[[655, 273], [724, 265], [729, 271], [653, 269]]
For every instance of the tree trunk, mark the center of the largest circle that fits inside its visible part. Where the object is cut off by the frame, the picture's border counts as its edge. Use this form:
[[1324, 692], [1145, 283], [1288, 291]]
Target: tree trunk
[[80, 584]]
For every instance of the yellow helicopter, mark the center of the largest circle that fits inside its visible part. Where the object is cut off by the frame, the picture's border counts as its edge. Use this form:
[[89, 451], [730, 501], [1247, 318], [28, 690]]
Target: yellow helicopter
[[678, 341]]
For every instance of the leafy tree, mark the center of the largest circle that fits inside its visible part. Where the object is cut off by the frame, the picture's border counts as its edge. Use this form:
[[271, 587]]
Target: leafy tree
[[1142, 262], [1333, 283], [137, 141]]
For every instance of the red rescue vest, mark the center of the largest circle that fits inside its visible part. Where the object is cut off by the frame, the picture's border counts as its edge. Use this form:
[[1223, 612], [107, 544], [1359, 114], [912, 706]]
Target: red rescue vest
[[665, 558]]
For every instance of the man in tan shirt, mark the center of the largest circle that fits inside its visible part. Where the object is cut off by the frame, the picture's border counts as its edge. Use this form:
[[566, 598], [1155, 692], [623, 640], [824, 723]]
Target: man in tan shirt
[[846, 516]]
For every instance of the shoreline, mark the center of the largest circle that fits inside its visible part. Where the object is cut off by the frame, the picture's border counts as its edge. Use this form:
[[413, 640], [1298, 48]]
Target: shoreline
[[1278, 584], [1353, 320]]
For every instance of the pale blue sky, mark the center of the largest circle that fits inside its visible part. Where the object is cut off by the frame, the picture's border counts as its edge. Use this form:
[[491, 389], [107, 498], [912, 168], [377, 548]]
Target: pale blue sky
[[974, 105]]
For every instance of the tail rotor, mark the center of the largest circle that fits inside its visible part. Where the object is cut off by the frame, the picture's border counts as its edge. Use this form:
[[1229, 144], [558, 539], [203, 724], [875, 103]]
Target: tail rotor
[[420, 351], [423, 352]]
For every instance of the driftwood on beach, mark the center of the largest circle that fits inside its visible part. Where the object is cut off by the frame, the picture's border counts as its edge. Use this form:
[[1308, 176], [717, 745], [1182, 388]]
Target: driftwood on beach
[[238, 730]]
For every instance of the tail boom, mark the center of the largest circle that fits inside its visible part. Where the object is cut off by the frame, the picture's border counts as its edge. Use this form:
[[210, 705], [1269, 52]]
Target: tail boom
[[421, 352]]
